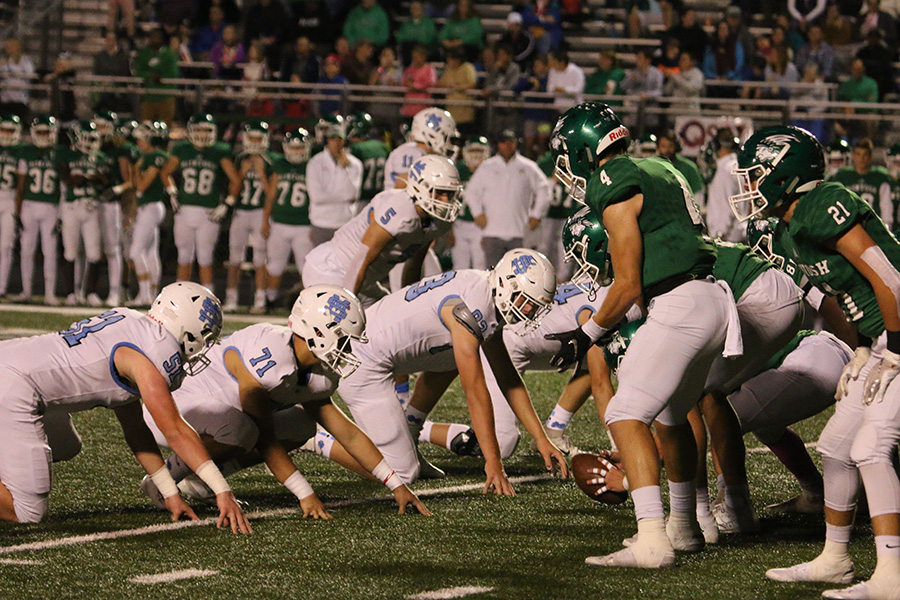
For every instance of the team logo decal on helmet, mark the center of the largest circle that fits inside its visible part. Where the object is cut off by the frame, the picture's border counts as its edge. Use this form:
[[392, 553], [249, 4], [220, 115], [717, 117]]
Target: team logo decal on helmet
[[193, 315], [328, 317]]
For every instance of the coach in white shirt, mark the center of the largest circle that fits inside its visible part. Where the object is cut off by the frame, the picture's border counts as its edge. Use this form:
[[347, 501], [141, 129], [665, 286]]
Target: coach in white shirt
[[720, 220], [507, 194], [333, 180], [564, 78]]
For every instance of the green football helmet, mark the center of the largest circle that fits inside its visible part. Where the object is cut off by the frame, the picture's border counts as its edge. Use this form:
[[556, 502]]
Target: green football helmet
[[585, 241], [645, 146], [202, 130], [10, 130], [761, 238], [775, 166], [106, 124], [891, 160], [155, 133], [44, 131], [327, 126], [581, 134], [255, 137], [125, 129], [297, 146], [475, 150], [837, 156], [84, 137], [614, 351], [706, 160], [359, 125]]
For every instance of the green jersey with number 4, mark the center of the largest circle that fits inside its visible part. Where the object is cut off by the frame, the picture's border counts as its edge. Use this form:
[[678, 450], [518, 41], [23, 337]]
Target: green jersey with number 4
[[80, 163], [156, 191], [291, 201], [820, 217], [562, 205], [738, 266], [41, 179], [9, 163], [373, 155], [202, 178], [253, 191], [672, 230]]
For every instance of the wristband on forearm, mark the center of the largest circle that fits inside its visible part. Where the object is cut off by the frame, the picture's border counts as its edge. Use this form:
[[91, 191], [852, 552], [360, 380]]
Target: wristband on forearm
[[212, 477], [118, 189], [386, 475], [298, 485], [163, 481], [893, 341], [592, 330], [230, 200]]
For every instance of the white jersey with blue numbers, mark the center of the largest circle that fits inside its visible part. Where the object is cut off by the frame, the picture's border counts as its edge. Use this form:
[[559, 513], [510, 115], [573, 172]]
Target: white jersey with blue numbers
[[267, 352], [405, 330], [396, 212], [400, 161], [73, 369]]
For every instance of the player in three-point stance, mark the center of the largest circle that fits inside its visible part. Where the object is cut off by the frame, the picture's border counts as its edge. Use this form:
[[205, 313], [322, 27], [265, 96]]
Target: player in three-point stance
[[265, 390], [117, 360], [658, 251], [847, 251]]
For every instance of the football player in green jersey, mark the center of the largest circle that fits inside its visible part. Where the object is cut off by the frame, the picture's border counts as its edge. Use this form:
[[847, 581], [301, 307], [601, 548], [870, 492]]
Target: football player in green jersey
[[467, 252], [562, 206], [81, 169], [205, 171], [371, 152], [871, 183], [37, 201], [668, 146], [254, 164], [10, 135], [837, 156], [658, 251], [845, 250], [286, 225], [152, 138], [892, 162]]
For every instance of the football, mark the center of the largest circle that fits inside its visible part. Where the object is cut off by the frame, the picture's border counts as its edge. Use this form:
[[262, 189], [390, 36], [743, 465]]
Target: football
[[589, 471]]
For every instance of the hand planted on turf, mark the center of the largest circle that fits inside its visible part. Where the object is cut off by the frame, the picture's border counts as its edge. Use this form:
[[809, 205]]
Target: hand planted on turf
[[881, 376], [496, 481], [313, 507], [404, 497], [179, 508], [230, 514], [851, 370], [609, 476], [573, 346], [551, 453]]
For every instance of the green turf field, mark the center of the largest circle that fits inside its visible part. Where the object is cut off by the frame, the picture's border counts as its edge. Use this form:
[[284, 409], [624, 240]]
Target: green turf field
[[531, 546]]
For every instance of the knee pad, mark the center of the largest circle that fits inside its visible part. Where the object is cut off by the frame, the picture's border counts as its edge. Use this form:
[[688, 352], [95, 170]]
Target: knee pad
[[871, 445], [841, 483], [882, 488], [31, 509]]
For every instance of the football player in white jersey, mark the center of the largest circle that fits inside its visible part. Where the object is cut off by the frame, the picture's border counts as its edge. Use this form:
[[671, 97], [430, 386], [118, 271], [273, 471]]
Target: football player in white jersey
[[432, 132], [268, 386], [446, 321], [117, 360], [397, 227]]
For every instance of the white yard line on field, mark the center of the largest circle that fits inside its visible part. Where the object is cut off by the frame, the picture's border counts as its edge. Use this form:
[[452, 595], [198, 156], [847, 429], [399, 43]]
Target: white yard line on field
[[454, 592], [172, 576], [266, 514], [762, 449], [16, 561]]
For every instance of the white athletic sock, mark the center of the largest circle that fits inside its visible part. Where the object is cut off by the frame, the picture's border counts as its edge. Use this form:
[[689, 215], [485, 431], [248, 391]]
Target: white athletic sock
[[323, 444], [231, 296], [648, 503], [720, 486], [260, 296], [887, 548], [838, 534], [559, 418], [702, 501], [415, 419], [454, 430], [271, 294], [682, 497], [425, 434], [144, 289]]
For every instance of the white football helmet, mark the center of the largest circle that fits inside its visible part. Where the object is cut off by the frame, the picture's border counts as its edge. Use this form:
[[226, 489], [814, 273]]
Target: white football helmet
[[192, 314], [435, 128], [430, 178], [327, 317], [524, 284]]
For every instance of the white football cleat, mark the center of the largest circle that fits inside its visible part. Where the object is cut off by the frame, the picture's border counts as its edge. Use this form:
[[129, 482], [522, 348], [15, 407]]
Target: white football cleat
[[730, 520], [114, 299], [685, 535], [709, 528], [805, 503], [22, 297], [51, 300], [638, 555], [818, 569], [230, 307], [94, 300], [560, 440], [149, 488], [885, 588], [193, 487]]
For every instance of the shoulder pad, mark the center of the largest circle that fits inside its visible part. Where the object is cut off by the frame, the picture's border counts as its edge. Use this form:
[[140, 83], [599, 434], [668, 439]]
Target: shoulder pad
[[464, 317]]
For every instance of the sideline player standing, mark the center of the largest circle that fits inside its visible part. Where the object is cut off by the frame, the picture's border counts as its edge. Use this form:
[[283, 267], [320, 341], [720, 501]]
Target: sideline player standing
[[115, 360], [467, 252], [205, 169], [848, 252], [371, 153], [657, 250], [10, 135]]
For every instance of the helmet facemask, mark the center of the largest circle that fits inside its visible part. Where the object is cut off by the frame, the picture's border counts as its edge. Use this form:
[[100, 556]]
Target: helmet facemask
[[202, 135], [524, 284], [750, 202], [588, 276], [522, 308], [576, 186], [474, 154], [441, 202], [10, 134], [43, 136], [327, 318], [255, 142], [765, 247], [105, 128]]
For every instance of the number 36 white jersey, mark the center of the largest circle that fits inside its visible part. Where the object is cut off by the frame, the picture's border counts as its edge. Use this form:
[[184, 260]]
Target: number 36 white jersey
[[267, 352], [73, 369], [405, 330]]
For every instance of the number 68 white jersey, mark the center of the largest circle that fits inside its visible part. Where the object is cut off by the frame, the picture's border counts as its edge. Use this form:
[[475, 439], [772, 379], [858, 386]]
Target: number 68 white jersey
[[73, 369]]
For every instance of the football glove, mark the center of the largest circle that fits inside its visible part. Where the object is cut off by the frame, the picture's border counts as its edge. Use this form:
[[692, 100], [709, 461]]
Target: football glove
[[851, 370], [881, 376], [573, 346], [221, 211]]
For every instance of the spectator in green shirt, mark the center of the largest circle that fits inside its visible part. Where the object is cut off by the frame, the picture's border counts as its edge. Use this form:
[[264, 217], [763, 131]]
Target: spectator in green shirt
[[156, 62], [859, 87], [418, 29], [463, 30], [367, 20], [607, 79]]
